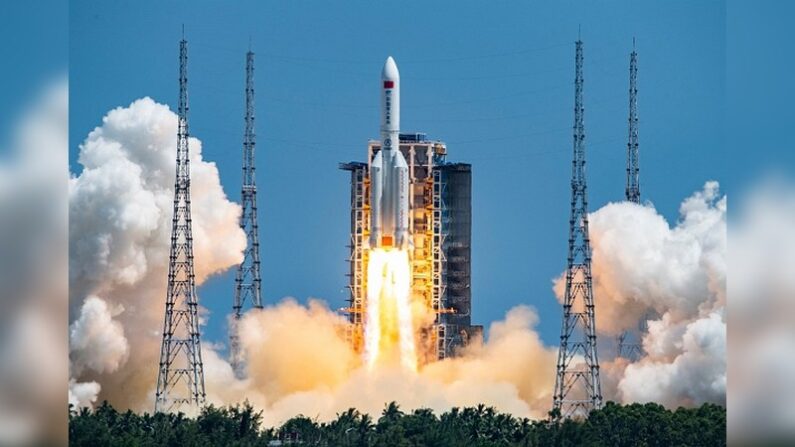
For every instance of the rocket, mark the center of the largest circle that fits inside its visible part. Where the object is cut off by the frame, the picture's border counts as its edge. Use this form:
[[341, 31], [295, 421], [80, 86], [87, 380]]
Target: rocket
[[389, 172]]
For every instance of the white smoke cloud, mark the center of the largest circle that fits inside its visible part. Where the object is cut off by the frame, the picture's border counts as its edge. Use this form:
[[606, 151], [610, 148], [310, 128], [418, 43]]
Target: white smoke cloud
[[121, 204], [675, 277], [83, 394], [642, 264], [120, 222], [97, 341], [693, 374], [299, 360]]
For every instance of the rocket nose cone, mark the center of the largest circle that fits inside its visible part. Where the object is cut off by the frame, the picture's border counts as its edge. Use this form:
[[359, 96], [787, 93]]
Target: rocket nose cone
[[390, 71]]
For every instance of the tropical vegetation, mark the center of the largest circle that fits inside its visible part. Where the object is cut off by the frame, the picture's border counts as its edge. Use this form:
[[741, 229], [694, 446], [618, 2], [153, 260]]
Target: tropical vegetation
[[241, 425]]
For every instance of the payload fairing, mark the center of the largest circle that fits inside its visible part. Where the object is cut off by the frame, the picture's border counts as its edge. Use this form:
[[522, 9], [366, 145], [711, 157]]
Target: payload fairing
[[389, 172]]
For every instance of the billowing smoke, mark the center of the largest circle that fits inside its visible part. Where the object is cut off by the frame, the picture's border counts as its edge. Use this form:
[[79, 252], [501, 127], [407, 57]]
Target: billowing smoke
[[83, 394], [298, 358], [120, 209], [513, 360], [689, 370], [281, 369], [97, 341], [300, 363], [673, 277], [33, 273]]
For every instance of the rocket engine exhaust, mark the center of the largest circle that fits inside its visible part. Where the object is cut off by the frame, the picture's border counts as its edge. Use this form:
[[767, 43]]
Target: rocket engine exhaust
[[389, 329]]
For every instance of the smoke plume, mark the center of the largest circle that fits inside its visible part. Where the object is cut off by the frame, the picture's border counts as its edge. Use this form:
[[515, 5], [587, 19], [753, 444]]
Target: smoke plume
[[675, 279], [120, 221], [97, 341], [300, 363], [298, 359]]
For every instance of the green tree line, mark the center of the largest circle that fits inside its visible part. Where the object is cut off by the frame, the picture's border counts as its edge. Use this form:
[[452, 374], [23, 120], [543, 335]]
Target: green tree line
[[613, 425]]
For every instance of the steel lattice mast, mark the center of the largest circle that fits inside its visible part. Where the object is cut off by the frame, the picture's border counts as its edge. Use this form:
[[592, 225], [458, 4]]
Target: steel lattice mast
[[247, 281], [633, 165], [627, 348], [577, 384], [632, 349], [180, 379]]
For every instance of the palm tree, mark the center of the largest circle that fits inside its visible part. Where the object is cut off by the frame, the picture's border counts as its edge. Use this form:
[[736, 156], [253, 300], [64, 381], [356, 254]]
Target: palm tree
[[391, 413]]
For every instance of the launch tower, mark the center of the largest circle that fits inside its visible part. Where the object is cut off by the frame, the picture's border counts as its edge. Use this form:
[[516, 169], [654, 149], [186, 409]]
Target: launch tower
[[440, 228]]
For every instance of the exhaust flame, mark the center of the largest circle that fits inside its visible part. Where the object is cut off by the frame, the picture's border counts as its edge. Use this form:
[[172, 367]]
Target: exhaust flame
[[389, 329]]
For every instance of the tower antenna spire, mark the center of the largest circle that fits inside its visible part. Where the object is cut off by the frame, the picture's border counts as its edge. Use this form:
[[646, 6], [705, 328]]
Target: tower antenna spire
[[180, 379], [633, 166], [577, 383], [247, 280], [629, 346]]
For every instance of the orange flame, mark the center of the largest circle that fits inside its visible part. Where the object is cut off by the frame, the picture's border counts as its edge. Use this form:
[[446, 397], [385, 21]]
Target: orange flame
[[389, 329]]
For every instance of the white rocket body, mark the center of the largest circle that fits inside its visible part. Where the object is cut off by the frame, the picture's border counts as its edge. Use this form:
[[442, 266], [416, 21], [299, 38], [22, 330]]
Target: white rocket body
[[389, 172]]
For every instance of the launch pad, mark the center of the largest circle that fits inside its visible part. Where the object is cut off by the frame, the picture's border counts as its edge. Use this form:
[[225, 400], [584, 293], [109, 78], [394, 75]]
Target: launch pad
[[411, 226], [440, 228]]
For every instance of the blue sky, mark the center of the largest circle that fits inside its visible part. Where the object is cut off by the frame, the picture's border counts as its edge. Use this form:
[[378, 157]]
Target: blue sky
[[760, 94], [495, 83], [34, 51]]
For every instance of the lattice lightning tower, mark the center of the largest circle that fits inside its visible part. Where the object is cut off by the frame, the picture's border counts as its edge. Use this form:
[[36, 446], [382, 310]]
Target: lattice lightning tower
[[577, 384], [630, 347], [248, 280], [633, 166], [180, 379]]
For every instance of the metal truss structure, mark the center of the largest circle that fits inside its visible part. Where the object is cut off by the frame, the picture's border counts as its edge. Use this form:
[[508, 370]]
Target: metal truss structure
[[180, 379], [247, 280], [577, 383], [628, 344]]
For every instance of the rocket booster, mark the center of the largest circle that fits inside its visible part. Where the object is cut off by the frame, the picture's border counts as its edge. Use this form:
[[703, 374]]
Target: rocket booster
[[389, 172]]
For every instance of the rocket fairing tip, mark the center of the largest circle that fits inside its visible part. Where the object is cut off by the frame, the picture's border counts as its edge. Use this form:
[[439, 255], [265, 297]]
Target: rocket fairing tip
[[390, 71]]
